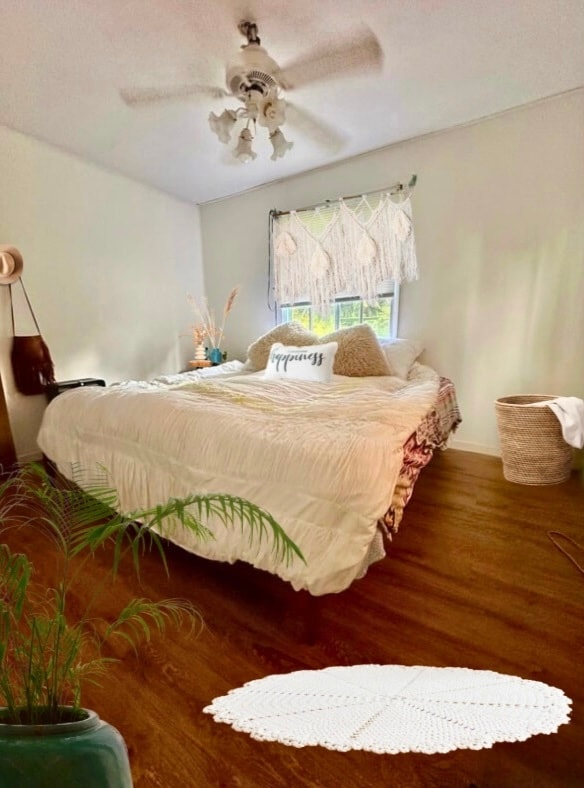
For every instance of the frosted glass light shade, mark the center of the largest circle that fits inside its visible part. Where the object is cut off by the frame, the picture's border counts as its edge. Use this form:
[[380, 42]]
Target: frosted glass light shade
[[244, 151], [222, 125], [280, 145]]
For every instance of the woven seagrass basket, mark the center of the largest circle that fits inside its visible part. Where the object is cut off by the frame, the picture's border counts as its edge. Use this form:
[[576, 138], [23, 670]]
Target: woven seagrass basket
[[533, 449]]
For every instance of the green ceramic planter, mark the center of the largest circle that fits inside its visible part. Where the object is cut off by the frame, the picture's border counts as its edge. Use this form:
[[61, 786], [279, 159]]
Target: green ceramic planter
[[88, 753]]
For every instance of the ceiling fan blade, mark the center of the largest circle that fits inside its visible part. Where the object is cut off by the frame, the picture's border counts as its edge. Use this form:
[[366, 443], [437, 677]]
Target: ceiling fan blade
[[358, 54], [318, 131], [136, 96]]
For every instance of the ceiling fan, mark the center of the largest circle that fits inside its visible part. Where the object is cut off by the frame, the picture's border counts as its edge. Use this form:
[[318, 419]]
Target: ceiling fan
[[256, 80]]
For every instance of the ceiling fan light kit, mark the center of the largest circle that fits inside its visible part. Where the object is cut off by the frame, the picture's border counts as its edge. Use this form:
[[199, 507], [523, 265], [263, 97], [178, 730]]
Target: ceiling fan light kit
[[250, 79], [269, 115]]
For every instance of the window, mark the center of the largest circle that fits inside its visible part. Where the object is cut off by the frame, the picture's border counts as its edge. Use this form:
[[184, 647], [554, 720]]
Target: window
[[347, 312], [338, 264]]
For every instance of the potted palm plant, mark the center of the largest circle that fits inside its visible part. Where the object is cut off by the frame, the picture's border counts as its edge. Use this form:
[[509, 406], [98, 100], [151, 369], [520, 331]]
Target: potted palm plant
[[47, 737]]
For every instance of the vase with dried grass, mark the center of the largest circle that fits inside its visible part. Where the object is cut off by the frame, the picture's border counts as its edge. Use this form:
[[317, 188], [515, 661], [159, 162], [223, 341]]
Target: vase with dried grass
[[213, 331]]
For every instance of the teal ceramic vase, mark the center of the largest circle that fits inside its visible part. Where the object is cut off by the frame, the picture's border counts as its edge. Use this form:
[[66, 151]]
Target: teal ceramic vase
[[215, 355], [87, 753]]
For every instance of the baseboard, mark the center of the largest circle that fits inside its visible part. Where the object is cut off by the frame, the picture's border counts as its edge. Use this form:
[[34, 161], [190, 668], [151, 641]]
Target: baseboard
[[477, 448]]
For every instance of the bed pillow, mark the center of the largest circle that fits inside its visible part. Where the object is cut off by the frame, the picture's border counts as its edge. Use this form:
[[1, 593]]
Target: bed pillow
[[401, 354], [312, 362], [292, 333], [360, 354]]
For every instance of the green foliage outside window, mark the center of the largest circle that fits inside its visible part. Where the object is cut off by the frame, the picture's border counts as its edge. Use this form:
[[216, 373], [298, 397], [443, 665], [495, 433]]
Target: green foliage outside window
[[343, 314]]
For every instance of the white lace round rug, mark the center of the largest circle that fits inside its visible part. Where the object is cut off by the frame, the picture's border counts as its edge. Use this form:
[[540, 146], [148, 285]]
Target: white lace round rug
[[393, 708]]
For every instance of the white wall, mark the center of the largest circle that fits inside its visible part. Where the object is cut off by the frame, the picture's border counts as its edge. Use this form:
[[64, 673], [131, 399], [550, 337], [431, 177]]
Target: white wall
[[107, 266], [498, 214]]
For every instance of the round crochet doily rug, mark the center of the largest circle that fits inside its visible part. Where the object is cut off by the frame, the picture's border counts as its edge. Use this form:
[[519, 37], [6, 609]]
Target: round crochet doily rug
[[393, 708]]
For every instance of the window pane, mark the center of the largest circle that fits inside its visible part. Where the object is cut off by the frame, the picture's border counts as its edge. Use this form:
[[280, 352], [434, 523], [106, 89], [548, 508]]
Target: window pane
[[349, 313], [301, 314], [284, 315], [378, 316]]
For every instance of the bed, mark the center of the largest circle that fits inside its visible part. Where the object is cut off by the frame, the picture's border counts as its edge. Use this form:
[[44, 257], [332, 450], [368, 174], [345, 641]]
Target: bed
[[334, 463]]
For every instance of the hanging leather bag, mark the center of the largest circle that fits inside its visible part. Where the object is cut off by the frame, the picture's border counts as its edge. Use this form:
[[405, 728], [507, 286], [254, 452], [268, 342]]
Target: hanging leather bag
[[31, 360]]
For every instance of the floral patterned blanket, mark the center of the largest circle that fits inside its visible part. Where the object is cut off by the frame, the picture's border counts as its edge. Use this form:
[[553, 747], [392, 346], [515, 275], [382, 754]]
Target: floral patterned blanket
[[432, 433]]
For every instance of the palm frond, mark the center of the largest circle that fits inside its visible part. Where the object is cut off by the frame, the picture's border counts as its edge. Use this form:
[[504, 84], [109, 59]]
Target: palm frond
[[141, 617], [191, 510]]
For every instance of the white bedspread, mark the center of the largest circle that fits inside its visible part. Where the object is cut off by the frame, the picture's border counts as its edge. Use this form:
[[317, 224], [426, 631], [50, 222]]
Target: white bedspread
[[323, 459]]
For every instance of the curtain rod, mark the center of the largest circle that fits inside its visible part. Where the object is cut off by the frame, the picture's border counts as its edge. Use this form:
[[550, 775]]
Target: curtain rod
[[397, 188]]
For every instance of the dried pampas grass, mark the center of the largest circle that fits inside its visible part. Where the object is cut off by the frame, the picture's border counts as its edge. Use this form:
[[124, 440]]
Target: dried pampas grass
[[206, 317]]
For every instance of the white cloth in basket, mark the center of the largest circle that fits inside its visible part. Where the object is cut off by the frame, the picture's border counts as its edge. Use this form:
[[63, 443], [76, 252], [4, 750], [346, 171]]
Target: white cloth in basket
[[570, 413]]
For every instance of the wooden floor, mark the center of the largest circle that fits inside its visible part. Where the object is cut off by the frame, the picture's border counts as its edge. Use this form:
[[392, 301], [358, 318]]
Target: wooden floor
[[472, 580]]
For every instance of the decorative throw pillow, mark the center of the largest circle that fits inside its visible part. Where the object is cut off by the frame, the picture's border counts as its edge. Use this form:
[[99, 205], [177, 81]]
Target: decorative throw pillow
[[313, 362], [292, 333], [401, 354], [360, 354]]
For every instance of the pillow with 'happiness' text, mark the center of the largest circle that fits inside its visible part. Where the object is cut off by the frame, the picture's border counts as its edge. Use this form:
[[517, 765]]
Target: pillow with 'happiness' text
[[292, 333], [312, 362]]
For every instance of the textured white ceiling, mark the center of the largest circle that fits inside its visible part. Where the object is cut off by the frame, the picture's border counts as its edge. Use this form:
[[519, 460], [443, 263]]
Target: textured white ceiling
[[446, 62]]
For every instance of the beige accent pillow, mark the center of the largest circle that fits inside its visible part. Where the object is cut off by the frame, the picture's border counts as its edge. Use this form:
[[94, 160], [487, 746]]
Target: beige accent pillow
[[401, 354], [359, 353], [292, 333]]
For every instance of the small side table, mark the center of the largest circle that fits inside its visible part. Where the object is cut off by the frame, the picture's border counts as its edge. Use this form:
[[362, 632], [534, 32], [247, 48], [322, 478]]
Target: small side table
[[54, 389]]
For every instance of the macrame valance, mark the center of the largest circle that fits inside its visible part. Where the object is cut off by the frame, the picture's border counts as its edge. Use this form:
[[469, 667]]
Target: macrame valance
[[349, 247]]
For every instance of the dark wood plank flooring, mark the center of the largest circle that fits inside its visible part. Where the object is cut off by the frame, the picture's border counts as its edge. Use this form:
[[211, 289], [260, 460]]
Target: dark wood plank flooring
[[471, 580]]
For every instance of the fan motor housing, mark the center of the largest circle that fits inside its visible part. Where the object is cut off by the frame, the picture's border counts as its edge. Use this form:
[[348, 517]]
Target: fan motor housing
[[252, 69]]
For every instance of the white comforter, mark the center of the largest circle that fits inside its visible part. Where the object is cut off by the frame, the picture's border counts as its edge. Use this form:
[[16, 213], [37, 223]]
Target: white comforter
[[323, 459]]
